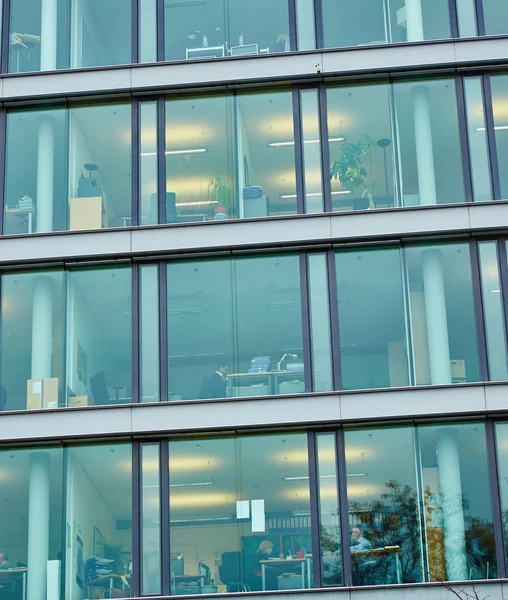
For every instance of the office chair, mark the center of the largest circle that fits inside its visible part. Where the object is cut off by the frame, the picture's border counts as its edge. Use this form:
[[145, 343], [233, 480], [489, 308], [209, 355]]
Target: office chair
[[99, 388], [231, 572]]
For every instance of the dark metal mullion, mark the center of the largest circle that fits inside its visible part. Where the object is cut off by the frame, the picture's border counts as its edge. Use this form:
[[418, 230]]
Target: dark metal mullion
[[491, 136], [334, 320], [464, 139], [293, 29], [165, 518], [163, 332], [6, 21], [160, 30], [495, 498], [136, 333], [454, 24], [306, 324], [161, 159], [299, 161], [137, 516], [480, 17], [134, 31], [479, 312], [340, 448], [325, 148], [314, 509], [63, 338], [63, 544], [135, 160], [3, 154]]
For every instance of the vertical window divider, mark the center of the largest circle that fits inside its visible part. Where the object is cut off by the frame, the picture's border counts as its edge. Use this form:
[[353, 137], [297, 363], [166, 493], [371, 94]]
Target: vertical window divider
[[421, 505], [3, 154], [318, 20], [161, 158], [137, 517], [63, 545], [65, 304], [135, 160], [479, 311], [136, 332], [340, 453], [464, 139], [135, 30], [163, 333], [306, 324], [408, 334], [299, 170], [503, 279], [454, 22], [325, 148], [480, 17], [314, 509], [334, 319], [6, 20], [293, 29], [165, 518], [160, 30], [491, 136], [495, 499]]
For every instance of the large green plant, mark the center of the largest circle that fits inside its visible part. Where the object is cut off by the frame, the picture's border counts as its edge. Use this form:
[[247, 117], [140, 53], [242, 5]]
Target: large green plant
[[350, 170], [218, 190]]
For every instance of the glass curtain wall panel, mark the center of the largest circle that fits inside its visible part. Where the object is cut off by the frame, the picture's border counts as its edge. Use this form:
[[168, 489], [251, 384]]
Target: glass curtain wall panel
[[374, 22], [311, 137], [31, 534], [147, 31], [99, 336], [149, 333], [493, 312], [499, 86], [239, 514], [370, 297], [305, 25], [329, 517], [456, 502], [32, 337], [502, 462], [234, 327], [44, 36], [151, 575], [148, 164], [98, 543], [495, 15], [225, 28], [68, 168]]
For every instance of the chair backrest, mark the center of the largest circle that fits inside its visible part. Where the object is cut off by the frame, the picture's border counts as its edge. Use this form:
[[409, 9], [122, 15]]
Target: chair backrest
[[231, 568], [99, 388]]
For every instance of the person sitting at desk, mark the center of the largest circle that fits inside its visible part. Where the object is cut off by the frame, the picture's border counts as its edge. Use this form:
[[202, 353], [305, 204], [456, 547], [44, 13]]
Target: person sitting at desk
[[5, 563], [216, 385], [358, 542]]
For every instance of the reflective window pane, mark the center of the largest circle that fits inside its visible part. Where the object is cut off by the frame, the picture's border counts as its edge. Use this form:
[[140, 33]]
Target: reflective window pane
[[99, 336], [499, 85], [442, 314], [147, 31], [305, 24], [32, 341], [383, 500], [371, 318], [311, 136], [150, 519], [148, 164], [457, 505], [493, 311], [495, 14], [502, 461], [149, 333], [329, 511], [98, 548]]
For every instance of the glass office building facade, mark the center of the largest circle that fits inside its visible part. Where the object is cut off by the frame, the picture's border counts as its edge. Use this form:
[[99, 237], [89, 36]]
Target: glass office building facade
[[253, 298]]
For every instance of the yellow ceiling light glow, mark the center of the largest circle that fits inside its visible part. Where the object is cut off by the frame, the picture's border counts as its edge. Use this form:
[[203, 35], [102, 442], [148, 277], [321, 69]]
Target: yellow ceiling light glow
[[364, 491], [200, 499], [178, 464], [189, 134]]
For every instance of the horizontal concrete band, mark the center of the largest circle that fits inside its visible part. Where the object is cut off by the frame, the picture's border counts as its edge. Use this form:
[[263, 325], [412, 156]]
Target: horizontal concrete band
[[306, 411], [458, 53], [320, 229]]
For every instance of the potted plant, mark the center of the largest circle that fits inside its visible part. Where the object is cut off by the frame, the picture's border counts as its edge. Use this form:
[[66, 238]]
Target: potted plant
[[349, 169], [218, 191]]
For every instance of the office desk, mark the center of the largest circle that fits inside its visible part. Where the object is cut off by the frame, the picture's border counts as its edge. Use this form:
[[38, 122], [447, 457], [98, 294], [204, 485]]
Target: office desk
[[109, 580], [21, 213], [265, 383], [9, 575], [376, 553], [284, 563]]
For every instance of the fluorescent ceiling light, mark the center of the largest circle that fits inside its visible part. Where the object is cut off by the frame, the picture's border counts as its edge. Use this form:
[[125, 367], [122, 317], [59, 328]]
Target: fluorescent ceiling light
[[186, 311], [200, 520], [202, 203], [315, 194], [282, 144], [192, 484], [306, 477], [496, 128], [495, 291], [171, 152]]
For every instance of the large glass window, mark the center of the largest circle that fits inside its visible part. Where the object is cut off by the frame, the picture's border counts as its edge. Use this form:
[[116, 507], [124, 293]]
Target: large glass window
[[499, 85], [32, 356], [239, 514], [98, 540], [225, 28], [46, 36], [373, 22], [99, 336], [502, 461], [235, 327], [495, 15], [68, 169]]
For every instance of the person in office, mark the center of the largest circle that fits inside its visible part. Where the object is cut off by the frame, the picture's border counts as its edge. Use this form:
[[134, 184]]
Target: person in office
[[264, 552], [358, 542], [5, 563], [216, 385]]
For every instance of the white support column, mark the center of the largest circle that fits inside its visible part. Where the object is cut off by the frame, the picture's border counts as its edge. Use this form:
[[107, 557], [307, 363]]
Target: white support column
[[45, 166], [452, 504], [435, 312], [42, 327], [414, 21], [38, 526], [423, 144], [48, 34]]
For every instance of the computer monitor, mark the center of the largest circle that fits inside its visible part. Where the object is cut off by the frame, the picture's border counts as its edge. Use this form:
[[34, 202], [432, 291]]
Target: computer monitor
[[177, 565]]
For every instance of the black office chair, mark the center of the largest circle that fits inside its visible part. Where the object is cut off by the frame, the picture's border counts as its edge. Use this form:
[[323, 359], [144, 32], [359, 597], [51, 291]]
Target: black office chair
[[231, 572]]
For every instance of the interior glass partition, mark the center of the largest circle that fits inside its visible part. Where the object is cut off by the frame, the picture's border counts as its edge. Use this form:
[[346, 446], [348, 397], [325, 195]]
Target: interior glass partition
[[225, 28]]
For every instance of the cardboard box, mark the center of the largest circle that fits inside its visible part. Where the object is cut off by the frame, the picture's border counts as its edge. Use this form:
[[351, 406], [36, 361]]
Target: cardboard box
[[458, 369], [78, 401], [42, 393]]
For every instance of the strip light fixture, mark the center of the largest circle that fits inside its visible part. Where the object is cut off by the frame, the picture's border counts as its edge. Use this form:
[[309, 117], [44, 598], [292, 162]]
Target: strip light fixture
[[286, 196], [283, 144], [496, 128], [306, 477], [172, 152]]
